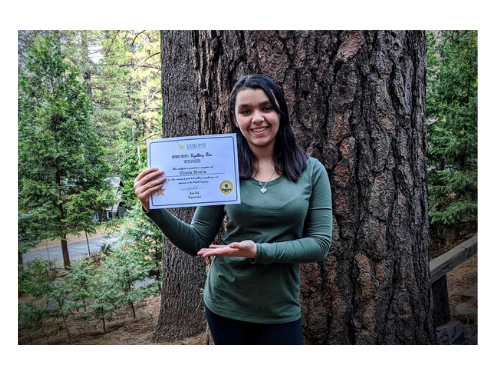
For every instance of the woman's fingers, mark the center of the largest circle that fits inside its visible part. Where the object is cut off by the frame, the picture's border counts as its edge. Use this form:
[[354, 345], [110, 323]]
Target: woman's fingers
[[147, 183], [145, 172], [141, 175], [236, 249], [148, 179], [215, 250], [150, 186], [147, 176]]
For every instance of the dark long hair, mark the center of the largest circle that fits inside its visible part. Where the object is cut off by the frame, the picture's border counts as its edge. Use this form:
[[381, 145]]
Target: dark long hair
[[288, 157]]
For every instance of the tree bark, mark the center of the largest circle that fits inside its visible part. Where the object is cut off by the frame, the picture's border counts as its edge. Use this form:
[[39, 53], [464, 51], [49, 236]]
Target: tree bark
[[182, 308], [62, 231], [86, 62], [356, 100]]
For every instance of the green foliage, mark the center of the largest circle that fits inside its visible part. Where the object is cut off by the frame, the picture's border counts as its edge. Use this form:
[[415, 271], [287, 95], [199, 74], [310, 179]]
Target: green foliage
[[80, 207], [61, 167], [30, 318], [129, 170], [28, 230], [123, 269], [142, 234], [452, 111], [78, 278], [126, 93], [85, 293], [104, 297], [35, 278], [51, 299], [62, 90], [70, 110]]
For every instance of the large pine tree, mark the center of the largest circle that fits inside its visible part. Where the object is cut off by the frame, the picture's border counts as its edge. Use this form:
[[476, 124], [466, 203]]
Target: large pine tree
[[356, 100]]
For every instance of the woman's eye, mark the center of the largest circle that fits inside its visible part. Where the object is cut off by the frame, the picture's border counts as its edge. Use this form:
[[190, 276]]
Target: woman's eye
[[245, 112], [269, 108]]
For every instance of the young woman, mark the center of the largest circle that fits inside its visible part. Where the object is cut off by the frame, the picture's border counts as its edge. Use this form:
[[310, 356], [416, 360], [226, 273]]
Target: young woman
[[285, 218]]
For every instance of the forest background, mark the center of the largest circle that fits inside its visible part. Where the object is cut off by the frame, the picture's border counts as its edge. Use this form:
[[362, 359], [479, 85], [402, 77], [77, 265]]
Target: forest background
[[118, 74]]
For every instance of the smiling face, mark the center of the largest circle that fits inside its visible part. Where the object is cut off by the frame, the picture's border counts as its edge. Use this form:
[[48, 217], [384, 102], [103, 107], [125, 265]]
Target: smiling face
[[256, 118]]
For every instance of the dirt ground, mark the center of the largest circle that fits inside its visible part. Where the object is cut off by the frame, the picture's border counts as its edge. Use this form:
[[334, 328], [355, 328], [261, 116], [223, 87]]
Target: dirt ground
[[459, 280], [124, 329]]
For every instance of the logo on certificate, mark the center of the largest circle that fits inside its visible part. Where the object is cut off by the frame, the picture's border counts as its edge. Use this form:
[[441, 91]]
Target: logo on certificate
[[226, 187]]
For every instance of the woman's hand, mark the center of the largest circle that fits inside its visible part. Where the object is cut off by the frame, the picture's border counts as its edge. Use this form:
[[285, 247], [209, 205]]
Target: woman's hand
[[145, 185], [246, 249]]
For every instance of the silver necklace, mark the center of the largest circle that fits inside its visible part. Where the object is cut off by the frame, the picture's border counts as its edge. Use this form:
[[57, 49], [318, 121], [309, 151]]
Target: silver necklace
[[263, 187]]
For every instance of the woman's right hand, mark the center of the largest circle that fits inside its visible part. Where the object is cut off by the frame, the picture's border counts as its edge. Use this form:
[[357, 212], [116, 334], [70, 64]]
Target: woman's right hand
[[145, 185]]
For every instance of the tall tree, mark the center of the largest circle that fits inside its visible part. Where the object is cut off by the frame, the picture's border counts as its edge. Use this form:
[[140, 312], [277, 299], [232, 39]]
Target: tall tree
[[452, 110], [121, 72], [181, 309], [127, 99], [61, 169], [357, 101], [110, 101]]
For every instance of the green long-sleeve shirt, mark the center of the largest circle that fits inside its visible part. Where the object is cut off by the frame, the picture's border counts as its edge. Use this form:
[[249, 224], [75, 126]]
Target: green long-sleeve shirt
[[291, 224]]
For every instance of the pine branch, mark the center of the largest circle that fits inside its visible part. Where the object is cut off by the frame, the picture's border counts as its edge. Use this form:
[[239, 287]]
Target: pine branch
[[135, 148]]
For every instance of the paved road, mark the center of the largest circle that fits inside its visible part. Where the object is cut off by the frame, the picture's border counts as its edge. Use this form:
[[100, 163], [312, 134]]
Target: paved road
[[76, 250]]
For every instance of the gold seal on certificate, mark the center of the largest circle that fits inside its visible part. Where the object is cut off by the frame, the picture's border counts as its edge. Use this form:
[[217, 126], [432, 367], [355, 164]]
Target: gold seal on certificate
[[200, 170], [226, 187]]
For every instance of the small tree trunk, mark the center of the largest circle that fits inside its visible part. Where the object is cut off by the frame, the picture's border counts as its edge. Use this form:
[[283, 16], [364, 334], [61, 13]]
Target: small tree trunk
[[65, 252], [86, 62], [66, 327], [87, 242], [61, 216], [133, 310]]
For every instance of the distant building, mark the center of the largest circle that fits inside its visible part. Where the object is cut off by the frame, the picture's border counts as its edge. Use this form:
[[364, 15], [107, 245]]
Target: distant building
[[118, 209]]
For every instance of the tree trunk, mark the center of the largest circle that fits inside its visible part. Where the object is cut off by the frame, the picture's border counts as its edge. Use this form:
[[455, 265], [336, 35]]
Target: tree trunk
[[65, 253], [86, 62], [182, 309], [356, 101], [62, 231]]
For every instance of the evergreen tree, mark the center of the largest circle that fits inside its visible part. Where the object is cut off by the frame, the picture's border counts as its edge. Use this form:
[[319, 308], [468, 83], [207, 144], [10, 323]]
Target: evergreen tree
[[452, 110], [125, 87], [143, 235], [61, 166], [111, 105], [123, 269]]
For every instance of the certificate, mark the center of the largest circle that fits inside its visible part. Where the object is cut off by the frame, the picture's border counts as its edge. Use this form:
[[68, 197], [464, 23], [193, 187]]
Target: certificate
[[200, 170]]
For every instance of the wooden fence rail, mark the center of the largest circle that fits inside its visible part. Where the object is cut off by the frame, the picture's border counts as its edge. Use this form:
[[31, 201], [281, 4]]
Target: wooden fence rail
[[438, 274]]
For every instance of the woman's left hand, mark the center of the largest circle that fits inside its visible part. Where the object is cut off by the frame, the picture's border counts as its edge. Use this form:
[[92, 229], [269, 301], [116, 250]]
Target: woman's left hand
[[245, 249]]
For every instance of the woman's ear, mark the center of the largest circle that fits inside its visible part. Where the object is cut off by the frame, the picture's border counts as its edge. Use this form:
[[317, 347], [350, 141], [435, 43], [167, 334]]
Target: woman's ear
[[234, 119]]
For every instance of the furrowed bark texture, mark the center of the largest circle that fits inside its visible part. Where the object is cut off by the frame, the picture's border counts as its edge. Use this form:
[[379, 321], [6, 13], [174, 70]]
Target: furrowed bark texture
[[181, 309], [356, 101]]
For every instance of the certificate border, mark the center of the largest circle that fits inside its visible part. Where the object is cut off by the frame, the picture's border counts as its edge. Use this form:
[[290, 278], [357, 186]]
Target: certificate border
[[231, 136]]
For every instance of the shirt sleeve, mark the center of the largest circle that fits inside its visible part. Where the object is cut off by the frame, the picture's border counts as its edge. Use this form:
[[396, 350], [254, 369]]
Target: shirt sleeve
[[190, 238], [317, 238]]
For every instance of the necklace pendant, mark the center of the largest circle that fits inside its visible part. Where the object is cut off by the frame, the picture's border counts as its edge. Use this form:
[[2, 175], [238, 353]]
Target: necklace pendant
[[263, 190]]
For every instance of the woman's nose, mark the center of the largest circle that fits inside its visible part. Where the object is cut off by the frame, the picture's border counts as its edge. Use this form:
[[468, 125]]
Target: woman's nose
[[258, 117]]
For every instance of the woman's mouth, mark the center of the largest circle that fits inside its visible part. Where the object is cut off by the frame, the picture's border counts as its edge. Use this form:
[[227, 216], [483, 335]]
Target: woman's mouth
[[259, 130]]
